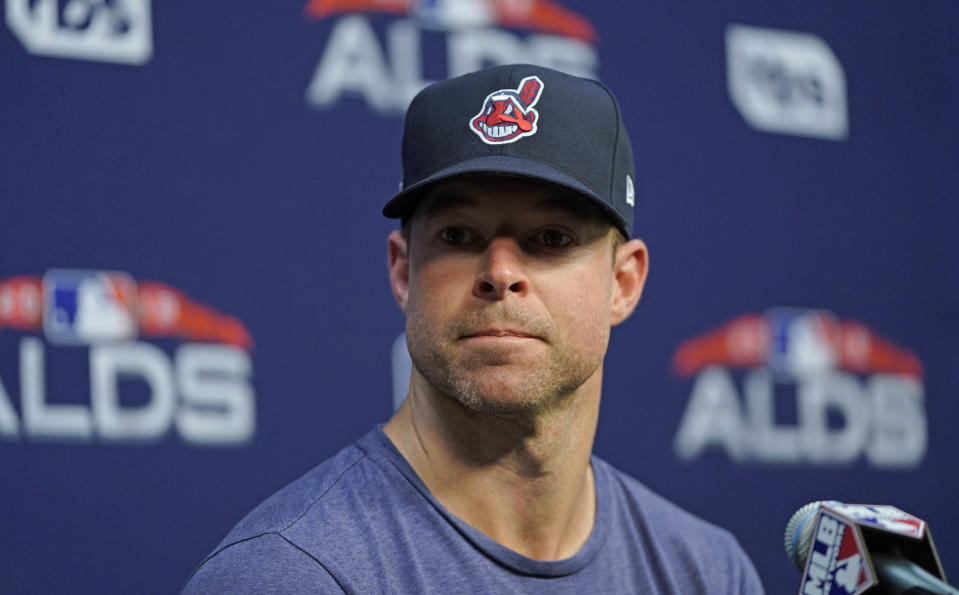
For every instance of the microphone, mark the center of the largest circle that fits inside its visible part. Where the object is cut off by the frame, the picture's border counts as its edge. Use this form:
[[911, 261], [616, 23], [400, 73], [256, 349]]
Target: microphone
[[848, 549]]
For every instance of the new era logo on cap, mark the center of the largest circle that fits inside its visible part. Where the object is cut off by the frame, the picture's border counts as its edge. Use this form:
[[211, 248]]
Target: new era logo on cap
[[508, 114]]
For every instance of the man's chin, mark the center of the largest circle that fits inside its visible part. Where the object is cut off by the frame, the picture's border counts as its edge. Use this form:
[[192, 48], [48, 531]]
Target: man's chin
[[501, 355], [500, 393], [499, 407], [524, 384]]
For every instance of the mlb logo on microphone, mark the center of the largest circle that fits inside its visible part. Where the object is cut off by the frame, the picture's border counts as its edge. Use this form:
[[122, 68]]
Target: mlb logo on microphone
[[884, 518], [837, 564], [85, 307]]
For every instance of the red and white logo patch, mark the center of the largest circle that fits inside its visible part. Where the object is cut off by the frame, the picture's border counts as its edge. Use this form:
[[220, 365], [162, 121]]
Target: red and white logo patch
[[508, 114]]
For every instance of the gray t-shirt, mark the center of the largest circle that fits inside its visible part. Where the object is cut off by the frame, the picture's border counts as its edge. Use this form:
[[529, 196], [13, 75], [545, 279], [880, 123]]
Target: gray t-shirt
[[364, 522]]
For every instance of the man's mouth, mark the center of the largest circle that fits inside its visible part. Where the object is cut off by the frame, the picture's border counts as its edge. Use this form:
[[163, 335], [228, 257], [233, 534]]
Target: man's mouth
[[495, 332]]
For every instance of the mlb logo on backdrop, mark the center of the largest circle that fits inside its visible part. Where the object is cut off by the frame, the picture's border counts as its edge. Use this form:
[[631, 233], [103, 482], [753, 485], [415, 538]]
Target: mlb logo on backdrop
[[190, 362], [118, 31], [84, 307], [796, 385], [802, 342], [384, 66]]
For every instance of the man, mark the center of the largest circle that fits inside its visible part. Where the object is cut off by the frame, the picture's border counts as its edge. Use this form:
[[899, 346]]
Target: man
[[513, 263]]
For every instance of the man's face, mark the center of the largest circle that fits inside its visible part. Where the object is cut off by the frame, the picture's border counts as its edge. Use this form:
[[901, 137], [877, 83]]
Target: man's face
[[510, 291]]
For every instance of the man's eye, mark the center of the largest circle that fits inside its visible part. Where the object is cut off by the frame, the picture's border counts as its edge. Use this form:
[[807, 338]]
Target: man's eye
[[552, 238], [455, 236]]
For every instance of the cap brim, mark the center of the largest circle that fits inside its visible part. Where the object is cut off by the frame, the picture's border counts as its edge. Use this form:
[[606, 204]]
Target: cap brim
[[404, 203]]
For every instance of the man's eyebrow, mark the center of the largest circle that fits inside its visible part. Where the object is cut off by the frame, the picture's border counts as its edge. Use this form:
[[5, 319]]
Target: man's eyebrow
[[557, 200], [445, 200], [568, 203]]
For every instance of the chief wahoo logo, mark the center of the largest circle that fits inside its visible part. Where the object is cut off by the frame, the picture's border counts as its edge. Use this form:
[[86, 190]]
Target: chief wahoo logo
[[508, 114]]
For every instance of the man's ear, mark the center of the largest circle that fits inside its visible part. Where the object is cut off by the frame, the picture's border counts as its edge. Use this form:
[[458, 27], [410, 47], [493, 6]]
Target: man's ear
[[629, 276], [399, 267]]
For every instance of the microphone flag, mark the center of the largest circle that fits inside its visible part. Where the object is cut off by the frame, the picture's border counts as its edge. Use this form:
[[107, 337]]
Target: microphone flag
[[840, 558]]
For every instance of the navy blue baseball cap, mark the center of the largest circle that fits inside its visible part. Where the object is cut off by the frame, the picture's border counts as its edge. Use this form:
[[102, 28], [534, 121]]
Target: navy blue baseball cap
[[519, 120]]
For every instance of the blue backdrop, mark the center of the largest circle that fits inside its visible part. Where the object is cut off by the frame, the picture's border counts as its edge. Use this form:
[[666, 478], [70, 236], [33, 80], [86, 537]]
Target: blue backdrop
[[194, 307]]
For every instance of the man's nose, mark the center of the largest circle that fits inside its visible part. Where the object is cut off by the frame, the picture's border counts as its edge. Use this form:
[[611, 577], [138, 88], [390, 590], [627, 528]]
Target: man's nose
[[501, 272]]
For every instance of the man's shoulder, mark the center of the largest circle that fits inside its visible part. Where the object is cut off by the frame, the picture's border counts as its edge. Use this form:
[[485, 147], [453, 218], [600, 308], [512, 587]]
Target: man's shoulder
[[289, 528], [657, 512], [288, 505], [266, 563], [709, 554]]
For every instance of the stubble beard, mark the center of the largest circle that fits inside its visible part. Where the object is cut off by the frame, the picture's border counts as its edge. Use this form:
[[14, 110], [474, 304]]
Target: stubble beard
[[495, 381]]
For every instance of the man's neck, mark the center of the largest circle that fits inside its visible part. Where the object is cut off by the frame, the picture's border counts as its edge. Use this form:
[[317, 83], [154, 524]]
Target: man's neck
[[524, 481]]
